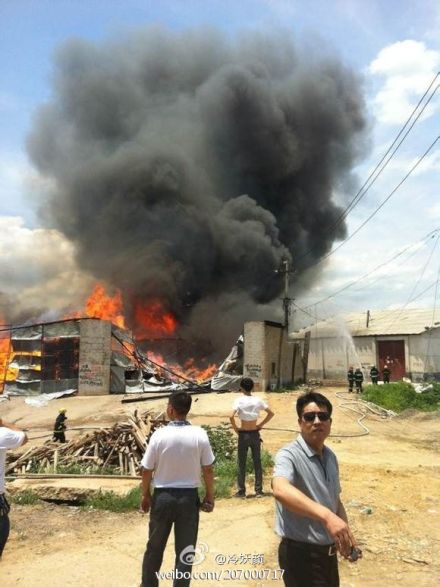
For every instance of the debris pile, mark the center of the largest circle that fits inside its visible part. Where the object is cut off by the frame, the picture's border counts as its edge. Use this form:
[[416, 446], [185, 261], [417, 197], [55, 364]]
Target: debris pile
[[120, 448]]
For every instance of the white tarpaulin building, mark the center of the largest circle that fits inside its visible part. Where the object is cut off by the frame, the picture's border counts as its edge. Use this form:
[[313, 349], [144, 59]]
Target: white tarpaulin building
[[407, 341]]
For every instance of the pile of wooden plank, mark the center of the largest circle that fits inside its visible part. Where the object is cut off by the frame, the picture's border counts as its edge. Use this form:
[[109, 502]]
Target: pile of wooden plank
[[119, 448]]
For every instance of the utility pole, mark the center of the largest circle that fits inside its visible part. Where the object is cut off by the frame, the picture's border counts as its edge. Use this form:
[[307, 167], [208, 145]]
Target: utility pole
[[286, 272]]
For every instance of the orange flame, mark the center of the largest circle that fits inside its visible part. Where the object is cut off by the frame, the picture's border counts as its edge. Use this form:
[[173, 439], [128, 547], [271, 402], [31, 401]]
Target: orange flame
[[189, 370], [7, 373], [101, 305], [152, 319]]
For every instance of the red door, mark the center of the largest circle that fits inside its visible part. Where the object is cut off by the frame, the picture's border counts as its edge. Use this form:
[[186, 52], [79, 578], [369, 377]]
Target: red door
[[392, 354]]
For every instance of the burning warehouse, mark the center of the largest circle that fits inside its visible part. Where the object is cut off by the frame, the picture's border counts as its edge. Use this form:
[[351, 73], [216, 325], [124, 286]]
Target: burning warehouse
[[88, 356], [92, 356]]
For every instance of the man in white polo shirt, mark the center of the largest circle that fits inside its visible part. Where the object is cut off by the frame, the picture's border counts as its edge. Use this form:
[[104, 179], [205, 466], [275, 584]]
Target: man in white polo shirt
[[176, 454], [10, 437], [247, 408]]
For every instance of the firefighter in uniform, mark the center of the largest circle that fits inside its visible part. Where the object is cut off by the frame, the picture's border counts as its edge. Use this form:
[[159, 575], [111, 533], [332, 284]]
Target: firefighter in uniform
[[386, 373], [358, 379], [60, 427], [374, 374], [350, 378]]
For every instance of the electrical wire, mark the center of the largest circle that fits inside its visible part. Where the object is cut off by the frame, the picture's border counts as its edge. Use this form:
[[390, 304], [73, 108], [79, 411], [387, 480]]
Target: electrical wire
[[413, 168], [361, 195], [381, 205], [430, 235], [377, 171], [428, 347], [317, 319], [419, 279]]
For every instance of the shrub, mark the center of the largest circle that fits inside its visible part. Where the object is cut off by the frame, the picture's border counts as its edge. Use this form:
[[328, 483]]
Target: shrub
[[401, 396], [222, 441]]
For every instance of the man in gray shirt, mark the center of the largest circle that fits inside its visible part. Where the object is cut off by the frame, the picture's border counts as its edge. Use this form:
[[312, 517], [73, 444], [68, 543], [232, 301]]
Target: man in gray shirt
[[310, 517]]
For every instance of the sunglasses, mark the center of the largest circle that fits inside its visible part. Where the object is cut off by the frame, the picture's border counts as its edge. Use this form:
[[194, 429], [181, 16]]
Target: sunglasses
[[310, 416]]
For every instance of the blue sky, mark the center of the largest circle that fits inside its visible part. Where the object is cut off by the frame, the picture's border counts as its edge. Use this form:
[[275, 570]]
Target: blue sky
[[393, 44]]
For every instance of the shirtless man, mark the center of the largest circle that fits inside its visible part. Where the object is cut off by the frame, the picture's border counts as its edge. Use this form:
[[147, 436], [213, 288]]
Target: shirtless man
[[247, 408]]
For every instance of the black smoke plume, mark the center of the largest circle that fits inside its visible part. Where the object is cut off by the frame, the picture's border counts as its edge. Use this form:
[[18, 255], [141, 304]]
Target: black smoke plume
[[186, 167]]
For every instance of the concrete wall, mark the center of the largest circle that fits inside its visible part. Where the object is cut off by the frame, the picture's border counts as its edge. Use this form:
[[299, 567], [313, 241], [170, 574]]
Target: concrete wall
[[268, 356], [94, 357], [254, 354]]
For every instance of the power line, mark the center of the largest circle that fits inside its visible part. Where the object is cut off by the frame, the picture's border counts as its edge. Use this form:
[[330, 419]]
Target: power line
[[334, 294], [377, 171], [360, 195], [382, 204], [419, 279], [428, 346], [317, 319], [400, 262]]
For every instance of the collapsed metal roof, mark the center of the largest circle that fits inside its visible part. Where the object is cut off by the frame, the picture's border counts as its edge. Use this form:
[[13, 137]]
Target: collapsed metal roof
[[380, 323]]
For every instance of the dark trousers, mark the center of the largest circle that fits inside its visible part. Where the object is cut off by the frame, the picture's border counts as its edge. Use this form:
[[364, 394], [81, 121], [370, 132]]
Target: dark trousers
[[306, 565], [171, 506], [359, 386], [374, 380], [350, 385], [250, 440], [4, 531], [59, 436]]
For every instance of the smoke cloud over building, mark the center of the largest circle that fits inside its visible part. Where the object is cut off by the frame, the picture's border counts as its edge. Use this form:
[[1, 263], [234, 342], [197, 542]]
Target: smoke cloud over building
[[185, 166]]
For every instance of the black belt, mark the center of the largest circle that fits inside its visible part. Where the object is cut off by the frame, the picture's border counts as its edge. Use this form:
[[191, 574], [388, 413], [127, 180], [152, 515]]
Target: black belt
[[176, 489], [324, 549], [248, 431]]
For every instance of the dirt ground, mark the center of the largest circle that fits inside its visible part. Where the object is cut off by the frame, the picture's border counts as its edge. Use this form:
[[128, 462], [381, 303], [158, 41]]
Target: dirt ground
[[391, 490]]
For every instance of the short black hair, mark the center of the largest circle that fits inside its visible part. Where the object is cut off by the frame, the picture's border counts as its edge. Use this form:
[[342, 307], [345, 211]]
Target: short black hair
[[247, 384], [181, 401], [312, 397]]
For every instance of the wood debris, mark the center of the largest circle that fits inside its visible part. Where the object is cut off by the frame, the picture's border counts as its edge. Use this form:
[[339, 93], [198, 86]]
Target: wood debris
[[120, 447]]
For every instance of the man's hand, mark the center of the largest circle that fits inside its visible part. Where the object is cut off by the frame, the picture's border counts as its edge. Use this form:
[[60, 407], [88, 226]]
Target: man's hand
[[145, 503], [341, 534], [207, 505]]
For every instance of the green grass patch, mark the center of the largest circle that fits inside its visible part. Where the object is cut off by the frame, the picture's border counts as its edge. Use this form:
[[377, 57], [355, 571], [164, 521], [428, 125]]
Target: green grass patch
[[107, 500], [26, 497], [401, 396]]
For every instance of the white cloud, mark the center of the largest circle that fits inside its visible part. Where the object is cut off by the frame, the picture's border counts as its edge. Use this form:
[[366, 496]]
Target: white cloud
[[38, 270], [408, 68]]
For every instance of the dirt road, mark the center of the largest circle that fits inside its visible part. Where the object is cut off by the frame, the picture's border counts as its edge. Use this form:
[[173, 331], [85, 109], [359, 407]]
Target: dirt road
[[391, 489]]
